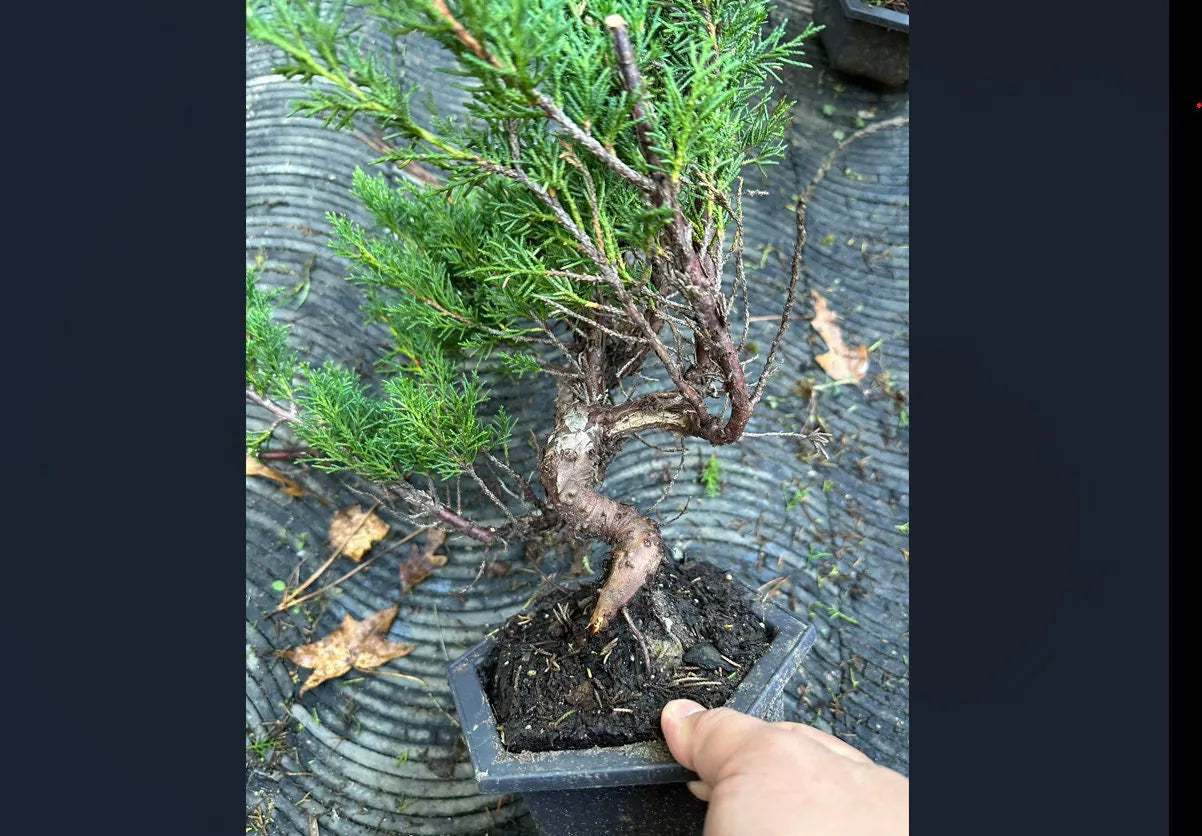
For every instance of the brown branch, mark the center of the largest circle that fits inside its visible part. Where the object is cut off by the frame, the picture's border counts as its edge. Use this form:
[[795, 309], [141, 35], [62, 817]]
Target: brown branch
[[711, 330], [271, 406], [740, 268], [586, 139], [431, 507], [463, 35], [283, 455], [790, 296], [656, 411], [671, 479], [632, 80], [385, 150], [553, 111], [526, 487], [492, 496]]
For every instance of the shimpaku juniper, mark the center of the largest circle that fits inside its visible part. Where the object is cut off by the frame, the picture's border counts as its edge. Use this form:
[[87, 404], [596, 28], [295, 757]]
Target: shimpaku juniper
[[576, 224]]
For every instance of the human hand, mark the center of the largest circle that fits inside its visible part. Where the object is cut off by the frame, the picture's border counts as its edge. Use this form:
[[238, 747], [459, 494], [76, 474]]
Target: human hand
[[781, 779]]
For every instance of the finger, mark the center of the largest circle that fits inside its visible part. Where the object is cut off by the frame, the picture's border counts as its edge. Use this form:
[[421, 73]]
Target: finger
[[700, 789], [829, 741], [704, 739]]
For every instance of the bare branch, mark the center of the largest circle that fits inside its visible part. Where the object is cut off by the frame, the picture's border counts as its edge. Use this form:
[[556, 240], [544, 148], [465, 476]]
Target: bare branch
[[671, 479], [515, 147], [525, 486], [427, 505], [558, 343], [790, 296], [271, 406], [590, 189], [579, 277], [799, 245], [817, 437], [586, 139], [553, 111], [491, 496], [592, 323], [740, 268], [687, 500]]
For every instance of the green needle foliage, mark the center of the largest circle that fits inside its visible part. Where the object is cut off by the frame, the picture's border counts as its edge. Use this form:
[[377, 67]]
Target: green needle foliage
[[544, 183], [269, 363], [711, 477], [426, 422]]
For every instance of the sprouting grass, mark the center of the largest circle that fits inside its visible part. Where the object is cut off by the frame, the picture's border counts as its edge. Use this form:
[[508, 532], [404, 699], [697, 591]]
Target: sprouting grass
[[834, 614], [711, 477], [799, 496], [262, 748]]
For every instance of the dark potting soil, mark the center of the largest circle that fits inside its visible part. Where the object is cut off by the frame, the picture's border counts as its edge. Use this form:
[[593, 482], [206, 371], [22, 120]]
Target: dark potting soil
[[552, 685], [902, 6]]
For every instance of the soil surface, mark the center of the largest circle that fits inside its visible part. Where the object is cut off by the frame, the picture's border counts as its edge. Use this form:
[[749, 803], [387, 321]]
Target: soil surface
[[902, 6], [552, 685]]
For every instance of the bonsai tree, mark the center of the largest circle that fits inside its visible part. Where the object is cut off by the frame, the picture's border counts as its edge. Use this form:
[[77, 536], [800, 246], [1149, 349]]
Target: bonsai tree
[[578, 224]]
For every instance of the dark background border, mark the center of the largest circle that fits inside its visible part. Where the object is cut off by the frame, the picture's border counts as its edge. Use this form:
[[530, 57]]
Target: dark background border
[[1040, 447]]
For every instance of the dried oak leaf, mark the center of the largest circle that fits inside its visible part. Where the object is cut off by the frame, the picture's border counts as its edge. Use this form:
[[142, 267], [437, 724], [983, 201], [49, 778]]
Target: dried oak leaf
[[254, 467], [840, 362], [355, 531], [355, 644], [422, 561]]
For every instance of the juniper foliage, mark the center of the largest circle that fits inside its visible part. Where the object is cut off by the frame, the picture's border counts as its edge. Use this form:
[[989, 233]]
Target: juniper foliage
[[480, 265], [578, 214]]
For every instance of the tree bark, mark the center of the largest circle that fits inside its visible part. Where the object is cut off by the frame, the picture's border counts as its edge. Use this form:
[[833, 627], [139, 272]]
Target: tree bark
[[573, 463]]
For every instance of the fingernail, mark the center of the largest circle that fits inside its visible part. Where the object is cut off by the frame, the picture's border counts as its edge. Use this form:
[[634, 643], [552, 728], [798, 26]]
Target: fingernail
[[679, 709]]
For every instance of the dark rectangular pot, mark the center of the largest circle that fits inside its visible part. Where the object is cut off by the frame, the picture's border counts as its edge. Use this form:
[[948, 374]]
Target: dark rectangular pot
[[637, 789], [866, 41]]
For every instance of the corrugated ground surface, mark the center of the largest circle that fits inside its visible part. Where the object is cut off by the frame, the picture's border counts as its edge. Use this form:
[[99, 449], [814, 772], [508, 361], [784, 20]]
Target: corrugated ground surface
[[380, 755]]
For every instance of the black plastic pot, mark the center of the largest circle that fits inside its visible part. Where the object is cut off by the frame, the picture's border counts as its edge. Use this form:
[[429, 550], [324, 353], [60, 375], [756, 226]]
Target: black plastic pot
[[635, 790], [866, 41]]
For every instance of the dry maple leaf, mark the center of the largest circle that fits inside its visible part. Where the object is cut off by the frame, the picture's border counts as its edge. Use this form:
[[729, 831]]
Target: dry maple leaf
[[422, 561], [355, 644], [840, 362], [355, 531], [254, 467]]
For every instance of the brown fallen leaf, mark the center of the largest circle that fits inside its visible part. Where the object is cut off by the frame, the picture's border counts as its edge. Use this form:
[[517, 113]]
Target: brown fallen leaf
[[254, 467], [422, 561], [355, 530], [355, 644], [840, 362]]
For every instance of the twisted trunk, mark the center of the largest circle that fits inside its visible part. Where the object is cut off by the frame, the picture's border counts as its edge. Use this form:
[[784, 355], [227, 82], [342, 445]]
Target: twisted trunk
[[573, 463]]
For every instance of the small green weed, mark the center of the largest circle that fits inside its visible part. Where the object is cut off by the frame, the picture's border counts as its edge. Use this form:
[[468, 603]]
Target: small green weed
[[711, 477]]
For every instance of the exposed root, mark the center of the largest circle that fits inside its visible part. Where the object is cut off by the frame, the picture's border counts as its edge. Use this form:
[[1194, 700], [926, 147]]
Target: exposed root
[[641, 640]]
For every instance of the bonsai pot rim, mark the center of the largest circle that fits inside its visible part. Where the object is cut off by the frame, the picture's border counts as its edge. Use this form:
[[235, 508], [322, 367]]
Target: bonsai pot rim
[[500, 771], [887, 18]]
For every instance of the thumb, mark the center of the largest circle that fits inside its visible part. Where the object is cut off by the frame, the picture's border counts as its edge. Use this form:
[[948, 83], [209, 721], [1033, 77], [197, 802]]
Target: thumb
[[703, 739]]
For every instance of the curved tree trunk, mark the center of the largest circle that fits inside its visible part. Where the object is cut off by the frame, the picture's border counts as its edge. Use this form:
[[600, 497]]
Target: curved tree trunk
[[572, 465]]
